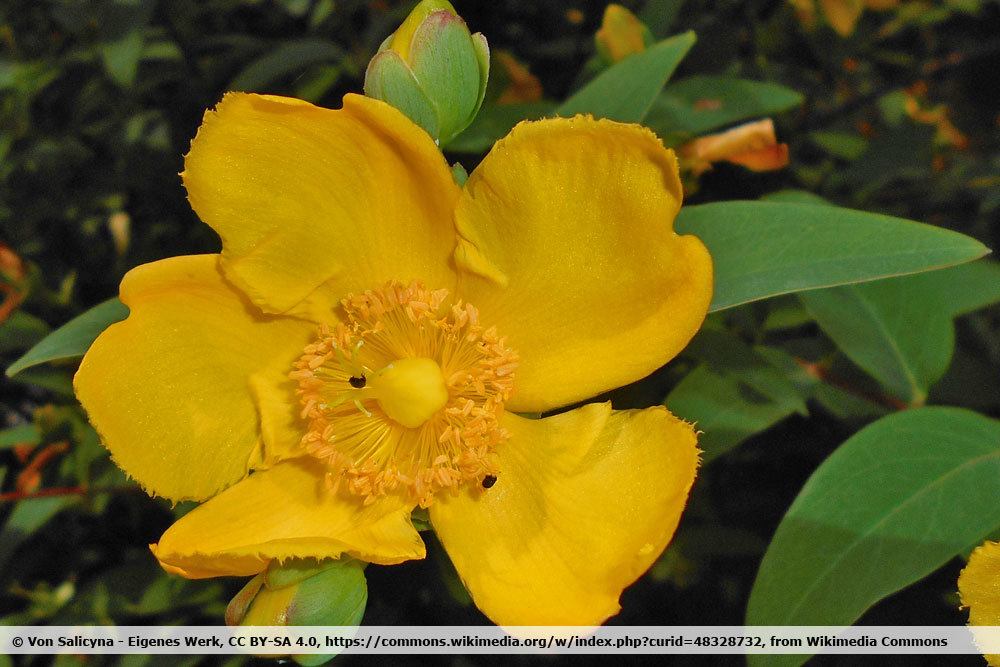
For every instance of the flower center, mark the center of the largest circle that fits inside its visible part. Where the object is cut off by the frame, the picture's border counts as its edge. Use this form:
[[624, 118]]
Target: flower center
[[406, 393], [410, 391]]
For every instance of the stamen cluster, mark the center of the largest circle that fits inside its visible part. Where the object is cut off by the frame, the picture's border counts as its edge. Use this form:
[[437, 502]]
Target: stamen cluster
[[364, 448]]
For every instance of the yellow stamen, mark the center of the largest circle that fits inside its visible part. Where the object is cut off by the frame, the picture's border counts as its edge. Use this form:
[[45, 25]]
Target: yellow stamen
[[428, 417]]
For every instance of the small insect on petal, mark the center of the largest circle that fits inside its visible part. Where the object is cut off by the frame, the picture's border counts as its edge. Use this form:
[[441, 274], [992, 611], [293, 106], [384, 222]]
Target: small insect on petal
[[489, 481]]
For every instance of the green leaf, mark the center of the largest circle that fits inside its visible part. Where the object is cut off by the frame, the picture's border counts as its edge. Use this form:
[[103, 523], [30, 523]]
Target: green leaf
[[901, 330], [768, 370], [289, 58], [17, 435], [889, 331], [27, 517], [725, 409], [493, 123], [314, 84], [626, 91], [121, 57], [962, 289], [840, 144], [738, 392], [791, 196], [74, 338], [20, 331], [763, 249], [660, 15], [892, 504], [699, 104], [57, 380]]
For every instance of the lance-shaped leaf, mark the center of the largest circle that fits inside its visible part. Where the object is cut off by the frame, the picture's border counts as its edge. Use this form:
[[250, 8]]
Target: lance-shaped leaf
[[700, 104], [892, 504], [901, 330], [626, 90], [763, 249], [73, 339]]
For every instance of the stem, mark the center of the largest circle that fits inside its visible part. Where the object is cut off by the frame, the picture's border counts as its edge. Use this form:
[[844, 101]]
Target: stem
[[822, 372]]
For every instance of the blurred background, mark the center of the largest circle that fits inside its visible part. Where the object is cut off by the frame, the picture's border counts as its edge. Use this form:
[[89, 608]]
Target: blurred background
[[899, 113]]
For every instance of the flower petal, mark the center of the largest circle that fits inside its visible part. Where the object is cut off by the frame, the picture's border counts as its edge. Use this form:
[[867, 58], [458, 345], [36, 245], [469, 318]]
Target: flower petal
[[304, 196], [168, 388], [286, 512], [979, 586], [583, 504], [567, 247]]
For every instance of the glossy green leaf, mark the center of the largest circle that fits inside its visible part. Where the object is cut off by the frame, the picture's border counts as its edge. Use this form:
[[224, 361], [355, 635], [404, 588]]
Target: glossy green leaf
[[74, 338], [289, 58], [892, 504], [627, 90], [699, 104], [900, 330], [763, 249]]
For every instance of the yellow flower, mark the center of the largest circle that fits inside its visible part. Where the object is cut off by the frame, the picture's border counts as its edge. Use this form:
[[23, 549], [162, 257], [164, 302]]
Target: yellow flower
[[979, 586], [369, 333]]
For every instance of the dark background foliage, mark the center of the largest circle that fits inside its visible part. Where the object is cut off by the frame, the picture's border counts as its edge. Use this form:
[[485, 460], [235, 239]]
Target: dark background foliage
[[99, 101]]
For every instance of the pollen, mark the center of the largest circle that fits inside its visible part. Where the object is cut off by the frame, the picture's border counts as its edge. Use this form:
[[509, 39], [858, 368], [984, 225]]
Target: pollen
[[405, 394]]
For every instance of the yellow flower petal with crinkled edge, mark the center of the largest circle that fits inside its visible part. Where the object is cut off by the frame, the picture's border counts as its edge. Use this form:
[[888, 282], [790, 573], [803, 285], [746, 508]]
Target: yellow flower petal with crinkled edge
[[281, 424], [305, 197], [584, 502], [979, 586], [567, 246], [168, 388], [286, 512]]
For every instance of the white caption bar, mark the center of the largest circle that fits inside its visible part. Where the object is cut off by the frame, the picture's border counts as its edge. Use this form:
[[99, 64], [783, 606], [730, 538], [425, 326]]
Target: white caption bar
[[280, 640]]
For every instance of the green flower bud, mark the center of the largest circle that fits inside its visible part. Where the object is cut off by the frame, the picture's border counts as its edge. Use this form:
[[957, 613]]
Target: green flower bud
[[303, 592], [432, 70]]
